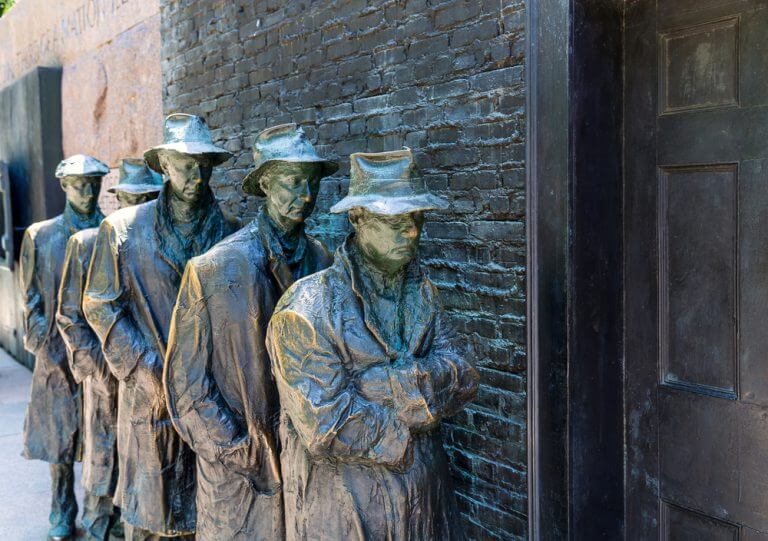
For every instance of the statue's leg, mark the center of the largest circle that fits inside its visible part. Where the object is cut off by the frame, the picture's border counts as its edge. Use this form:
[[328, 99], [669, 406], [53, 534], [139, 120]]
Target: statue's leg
[[132, 533], [117, 530], [63, 502], [97, 517]]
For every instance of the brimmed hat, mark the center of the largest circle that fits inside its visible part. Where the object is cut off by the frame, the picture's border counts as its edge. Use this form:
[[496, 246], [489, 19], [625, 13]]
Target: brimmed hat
[[387, 183], [81, 165], [187, 134], [284, 143], [137, 178]]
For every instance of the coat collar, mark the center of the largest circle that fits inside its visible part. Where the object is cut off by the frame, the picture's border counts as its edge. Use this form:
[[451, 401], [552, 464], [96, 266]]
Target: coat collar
[[208, 229], [279, 264], [419, 316]]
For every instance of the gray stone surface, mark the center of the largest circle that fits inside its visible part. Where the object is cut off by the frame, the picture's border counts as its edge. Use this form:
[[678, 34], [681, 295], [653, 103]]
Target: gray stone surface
[[25, 485]]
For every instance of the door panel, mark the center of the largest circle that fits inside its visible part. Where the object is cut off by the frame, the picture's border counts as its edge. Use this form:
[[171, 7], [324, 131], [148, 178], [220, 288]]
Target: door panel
[[697, 282], [753, 282], [696, 269], [699, 66], [680, 524]]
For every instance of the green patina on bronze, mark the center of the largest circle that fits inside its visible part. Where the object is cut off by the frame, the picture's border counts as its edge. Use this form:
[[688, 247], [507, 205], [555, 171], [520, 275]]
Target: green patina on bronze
[[366, 371], [89, 367], [53, 418], [220, 391], [137, 264]]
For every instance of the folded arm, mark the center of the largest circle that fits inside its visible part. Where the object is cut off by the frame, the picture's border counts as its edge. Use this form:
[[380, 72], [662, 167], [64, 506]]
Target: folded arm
[[435, 386], [330, 416], [104, 308], [83, 347], [423, 390]]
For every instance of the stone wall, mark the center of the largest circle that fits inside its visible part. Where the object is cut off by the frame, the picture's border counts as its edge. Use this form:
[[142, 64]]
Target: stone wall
[[444, 77], [109, 52]]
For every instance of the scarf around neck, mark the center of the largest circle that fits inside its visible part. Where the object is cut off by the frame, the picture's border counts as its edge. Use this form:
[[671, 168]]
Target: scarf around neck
[[75, 221], [208, 228], [284, 269]]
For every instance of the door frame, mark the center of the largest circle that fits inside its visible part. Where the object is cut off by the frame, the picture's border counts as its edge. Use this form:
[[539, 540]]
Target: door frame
[[574, 216]]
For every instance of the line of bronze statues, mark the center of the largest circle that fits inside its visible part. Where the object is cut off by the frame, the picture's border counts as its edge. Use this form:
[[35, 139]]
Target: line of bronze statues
[[240, 384]]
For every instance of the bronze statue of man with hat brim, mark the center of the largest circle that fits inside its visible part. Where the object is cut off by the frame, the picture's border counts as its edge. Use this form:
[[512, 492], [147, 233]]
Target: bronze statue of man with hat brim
[[52, 424], [366, 372], [137, 264], [220, 391], [101, 518], [137, 183]]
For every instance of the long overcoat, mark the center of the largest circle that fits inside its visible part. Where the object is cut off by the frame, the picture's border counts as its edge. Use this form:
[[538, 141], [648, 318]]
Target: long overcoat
[[89, 369], [362, 454], [219, 386], [137, 264], [52, 423]]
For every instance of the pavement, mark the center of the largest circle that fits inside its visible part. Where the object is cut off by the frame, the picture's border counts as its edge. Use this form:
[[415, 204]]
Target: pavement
[[25, 485]]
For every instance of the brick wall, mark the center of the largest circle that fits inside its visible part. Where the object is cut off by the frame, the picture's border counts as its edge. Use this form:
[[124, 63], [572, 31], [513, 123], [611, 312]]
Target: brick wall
[[445, 78]]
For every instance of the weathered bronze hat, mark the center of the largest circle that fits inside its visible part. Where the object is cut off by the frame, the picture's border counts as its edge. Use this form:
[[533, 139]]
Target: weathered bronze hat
[[137, 178], [81, 165], [187, 134], [387, 183], [284, 143]]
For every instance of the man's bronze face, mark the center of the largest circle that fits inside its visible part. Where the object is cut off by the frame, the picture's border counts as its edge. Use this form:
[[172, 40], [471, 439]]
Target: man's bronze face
[[128, 199], [82, 192], [189, 175], [388, 242], [291, 190]]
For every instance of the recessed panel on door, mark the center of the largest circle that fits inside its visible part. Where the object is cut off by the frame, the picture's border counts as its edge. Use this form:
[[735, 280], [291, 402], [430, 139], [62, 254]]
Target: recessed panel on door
[[698, 231], [699, 66], [681, 524]]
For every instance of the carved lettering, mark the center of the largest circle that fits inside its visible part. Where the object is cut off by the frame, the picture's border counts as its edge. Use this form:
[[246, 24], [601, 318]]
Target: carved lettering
[[89, 16]]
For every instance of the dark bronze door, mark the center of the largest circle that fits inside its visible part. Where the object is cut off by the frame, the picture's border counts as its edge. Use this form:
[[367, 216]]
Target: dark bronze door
[[696, 269]]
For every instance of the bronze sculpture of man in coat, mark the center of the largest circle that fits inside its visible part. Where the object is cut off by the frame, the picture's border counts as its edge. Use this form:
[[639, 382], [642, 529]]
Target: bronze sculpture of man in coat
[[220, 391], [137, 263], [137, 184], [52, 423], [366, 372]]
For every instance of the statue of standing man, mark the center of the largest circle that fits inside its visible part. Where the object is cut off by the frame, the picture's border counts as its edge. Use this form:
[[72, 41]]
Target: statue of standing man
[[137, 184], [366, 373], [52, 424], [219, 386], [137, 264]]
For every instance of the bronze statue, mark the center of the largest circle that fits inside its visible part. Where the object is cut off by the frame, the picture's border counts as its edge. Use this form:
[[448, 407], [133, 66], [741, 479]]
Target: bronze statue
[[366, 372], [220, 392], [137, 263], [137, 184], [52, 424], [100, 517]]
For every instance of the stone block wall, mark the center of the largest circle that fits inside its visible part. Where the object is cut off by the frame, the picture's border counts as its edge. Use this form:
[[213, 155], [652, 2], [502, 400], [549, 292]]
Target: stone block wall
[[444, 77]]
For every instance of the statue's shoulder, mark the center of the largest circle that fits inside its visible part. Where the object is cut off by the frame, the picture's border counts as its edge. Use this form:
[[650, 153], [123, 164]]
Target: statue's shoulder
[[126, 219], [313, 295], [84, 237], [241, 252], [45, 227]]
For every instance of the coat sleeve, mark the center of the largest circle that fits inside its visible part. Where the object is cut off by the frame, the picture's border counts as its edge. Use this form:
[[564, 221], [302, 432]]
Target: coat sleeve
[[104, 307], [35, 325], [198, 410], [83, 347], [437, 385], [322, 402]]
